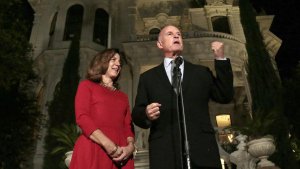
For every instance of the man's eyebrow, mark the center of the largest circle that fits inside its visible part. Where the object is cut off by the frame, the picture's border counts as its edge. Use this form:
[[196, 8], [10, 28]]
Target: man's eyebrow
[[169, 32]]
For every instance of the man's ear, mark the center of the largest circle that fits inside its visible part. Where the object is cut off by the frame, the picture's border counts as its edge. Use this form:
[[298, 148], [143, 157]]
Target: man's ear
[[159, 45]]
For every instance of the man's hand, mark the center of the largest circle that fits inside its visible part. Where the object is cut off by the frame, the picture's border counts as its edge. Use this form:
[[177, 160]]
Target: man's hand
[[218, 50], [152, 111]]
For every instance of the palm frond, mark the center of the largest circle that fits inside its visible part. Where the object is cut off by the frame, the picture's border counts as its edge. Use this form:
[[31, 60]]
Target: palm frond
[[65, 136]]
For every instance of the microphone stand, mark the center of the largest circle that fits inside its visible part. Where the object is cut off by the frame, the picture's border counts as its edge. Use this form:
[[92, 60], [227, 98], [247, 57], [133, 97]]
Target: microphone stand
[[181, 113]]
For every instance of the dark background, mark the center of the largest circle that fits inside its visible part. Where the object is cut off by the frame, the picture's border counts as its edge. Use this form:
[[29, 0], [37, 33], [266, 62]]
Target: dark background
[[286, 26]]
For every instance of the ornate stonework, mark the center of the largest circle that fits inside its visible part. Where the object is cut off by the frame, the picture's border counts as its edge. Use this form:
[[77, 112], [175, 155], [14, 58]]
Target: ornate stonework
[[130, 23]]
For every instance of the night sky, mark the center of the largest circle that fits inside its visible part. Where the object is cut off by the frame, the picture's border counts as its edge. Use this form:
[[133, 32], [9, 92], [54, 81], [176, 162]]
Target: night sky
[[286, 26]]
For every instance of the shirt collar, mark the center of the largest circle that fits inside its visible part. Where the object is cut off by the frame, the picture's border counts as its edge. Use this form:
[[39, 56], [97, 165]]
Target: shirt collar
[[167, 61]]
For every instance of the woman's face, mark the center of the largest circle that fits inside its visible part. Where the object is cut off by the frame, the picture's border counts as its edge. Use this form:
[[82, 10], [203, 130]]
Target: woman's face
[[114, 67]]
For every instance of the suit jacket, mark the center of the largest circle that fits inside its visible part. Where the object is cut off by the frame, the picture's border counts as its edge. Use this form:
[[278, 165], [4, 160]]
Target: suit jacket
[[198, 87]]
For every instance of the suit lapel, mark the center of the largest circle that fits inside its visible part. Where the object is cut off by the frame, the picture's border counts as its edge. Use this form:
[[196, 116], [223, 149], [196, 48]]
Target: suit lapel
[[187, 75], [162, 76]]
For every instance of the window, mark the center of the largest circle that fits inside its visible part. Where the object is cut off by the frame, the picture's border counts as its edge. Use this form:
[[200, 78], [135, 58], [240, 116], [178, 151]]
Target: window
[[73, 22], [220, 24], [100, 34], [53, 23], [154, 33], [52, 29]]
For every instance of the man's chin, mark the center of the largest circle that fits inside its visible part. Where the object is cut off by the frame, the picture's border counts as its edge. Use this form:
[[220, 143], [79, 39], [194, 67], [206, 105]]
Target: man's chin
[[177, 53]]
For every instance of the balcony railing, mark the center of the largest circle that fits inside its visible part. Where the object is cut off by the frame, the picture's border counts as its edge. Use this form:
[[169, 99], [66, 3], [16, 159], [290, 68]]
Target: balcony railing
[[186, 35]]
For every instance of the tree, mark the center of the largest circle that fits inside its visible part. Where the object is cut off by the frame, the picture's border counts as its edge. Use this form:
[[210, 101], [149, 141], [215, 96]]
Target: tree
[[20, 119], [291, 107], [266, 89], [61, 108]]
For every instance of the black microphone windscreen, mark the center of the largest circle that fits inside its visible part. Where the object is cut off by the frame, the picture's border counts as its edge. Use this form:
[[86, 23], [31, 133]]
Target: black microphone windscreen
[[178, 61]]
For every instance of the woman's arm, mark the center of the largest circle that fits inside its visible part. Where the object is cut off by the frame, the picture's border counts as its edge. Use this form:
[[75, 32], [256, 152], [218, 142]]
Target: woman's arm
[[112, 149]]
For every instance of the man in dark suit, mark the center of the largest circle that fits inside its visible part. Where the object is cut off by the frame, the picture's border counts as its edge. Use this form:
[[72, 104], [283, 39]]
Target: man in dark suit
[[156, 106]]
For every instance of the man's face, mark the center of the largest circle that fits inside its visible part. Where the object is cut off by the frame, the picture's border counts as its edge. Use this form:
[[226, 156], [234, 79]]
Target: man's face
[[170, 41]]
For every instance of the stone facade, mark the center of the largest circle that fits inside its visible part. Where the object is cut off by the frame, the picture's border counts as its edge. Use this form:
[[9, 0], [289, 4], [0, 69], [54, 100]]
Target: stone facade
[[129, 28]]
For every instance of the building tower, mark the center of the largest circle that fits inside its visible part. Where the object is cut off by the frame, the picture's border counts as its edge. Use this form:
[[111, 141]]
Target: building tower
[[132, 26]]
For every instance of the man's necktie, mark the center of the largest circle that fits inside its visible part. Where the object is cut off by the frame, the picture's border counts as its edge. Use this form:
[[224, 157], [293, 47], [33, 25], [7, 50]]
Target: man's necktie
[[176, 75], [172, 71]]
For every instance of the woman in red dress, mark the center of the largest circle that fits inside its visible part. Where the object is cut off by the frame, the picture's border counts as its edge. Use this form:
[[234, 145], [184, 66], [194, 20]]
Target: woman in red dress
[[103, 113]]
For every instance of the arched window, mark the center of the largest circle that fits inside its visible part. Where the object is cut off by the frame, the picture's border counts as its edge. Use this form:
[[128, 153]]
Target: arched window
[[220, 24], [73, 22], [101, 24], [154, 33], [53, 23], [52, 29]]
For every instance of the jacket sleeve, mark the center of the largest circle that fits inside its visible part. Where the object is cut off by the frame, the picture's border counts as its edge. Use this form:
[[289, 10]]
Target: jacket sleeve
[[82, 109], [129, 129], [139, 116], [222, 90]]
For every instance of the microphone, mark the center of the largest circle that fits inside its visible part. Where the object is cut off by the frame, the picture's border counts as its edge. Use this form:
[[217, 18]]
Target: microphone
[[178, 61]]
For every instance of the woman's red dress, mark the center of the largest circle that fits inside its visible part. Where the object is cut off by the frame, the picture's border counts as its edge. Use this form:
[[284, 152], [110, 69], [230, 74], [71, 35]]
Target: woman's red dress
[[97, 107]]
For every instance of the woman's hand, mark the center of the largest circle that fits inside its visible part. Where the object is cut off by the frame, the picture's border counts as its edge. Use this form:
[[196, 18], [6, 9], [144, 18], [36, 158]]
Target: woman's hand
[[116, 152], [127, 151], [112, 149]]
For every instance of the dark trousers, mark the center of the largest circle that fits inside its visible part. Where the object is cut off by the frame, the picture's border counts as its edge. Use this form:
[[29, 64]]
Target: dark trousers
[[193, 167], [197, 167], [205, 168]]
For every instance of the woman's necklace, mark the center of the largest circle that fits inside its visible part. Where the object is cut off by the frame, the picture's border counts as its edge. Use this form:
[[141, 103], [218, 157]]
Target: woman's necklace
[[108, 86]]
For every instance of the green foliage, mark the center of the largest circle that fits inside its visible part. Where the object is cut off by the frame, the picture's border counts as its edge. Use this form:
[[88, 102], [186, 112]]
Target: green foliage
[[296, 147], [292, 100], [260, 126], [19, 127], [264, 83], [61, 108], [15, 64], [21, 117], [292, 110], [266, 90], [66, 136]]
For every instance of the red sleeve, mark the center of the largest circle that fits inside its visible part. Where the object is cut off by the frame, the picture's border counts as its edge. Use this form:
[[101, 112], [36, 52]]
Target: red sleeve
[[128, 130], [82, 108]]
